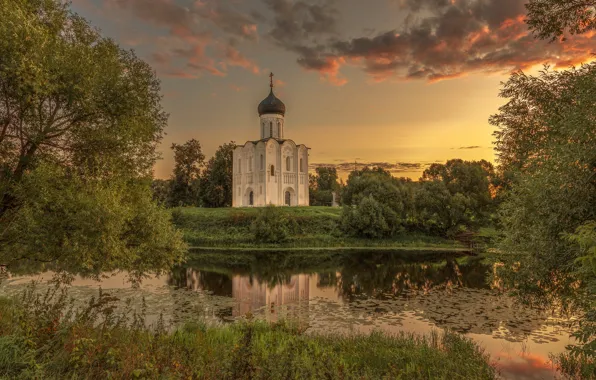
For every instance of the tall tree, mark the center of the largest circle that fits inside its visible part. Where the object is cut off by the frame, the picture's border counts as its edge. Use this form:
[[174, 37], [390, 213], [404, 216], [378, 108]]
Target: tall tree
[[70, 96], [79, 122], [322, 185], [547, 137], [188, 162], [471, 179], [216, 180], [554, 192]]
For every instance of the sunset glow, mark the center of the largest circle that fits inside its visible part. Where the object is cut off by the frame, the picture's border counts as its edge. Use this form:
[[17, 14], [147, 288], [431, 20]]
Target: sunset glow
[[401, 84]]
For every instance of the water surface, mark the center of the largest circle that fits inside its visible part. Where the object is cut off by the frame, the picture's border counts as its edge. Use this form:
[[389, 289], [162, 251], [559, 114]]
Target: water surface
[[347, 292]]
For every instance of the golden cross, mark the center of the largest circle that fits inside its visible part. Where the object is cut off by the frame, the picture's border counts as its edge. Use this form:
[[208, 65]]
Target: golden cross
[[271, 76]]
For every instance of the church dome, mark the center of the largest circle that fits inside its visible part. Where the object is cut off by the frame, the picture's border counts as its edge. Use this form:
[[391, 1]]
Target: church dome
[[272, 104]]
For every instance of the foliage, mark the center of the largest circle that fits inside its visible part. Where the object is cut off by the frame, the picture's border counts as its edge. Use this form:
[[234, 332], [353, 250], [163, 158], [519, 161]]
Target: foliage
[[270, 226], [547, 139], [45, 337], [79, 122], [472, 180], [87, 226], [71, 97], [369, 219], [188, 162], [440, 212], [580, 361], [449, 197], [322, 185], [216, 180], [547, 132], [161, 191], [550, 19]]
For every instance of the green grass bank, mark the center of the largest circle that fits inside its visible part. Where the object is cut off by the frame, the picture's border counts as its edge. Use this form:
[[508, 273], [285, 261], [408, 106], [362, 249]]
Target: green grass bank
[[45, 340], [310, 228]]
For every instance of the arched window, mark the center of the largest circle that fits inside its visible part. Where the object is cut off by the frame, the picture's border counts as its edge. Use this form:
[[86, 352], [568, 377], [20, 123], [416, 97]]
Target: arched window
[[251, 199], [301, 167], [270, 129], [288, 164], [272, 170], [279, 129], [264, 132], [262, 162]]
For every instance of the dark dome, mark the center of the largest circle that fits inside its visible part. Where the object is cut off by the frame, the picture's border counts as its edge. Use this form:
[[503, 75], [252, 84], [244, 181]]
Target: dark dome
[[272, 104]]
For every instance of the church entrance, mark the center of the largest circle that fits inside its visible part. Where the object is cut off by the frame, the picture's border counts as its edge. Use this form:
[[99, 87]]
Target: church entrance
[[251, 199], [288, 198]]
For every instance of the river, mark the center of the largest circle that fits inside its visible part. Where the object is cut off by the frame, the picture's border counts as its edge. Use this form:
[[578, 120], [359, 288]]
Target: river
[[344, 292]]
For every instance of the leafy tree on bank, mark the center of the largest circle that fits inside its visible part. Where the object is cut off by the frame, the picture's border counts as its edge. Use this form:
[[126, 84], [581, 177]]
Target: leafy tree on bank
[[438, 212], [554, 191], [547, 137], [189, 160], [472, 185], [79, 122], [322, 186], [216, 180], [383, 203]]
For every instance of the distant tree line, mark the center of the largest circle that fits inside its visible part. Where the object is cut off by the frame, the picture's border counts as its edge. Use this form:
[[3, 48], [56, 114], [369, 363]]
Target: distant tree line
[[449, 198]]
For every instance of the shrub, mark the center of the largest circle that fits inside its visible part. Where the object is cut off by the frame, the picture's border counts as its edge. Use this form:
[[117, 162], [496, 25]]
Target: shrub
[[370, 219], [270, 226]]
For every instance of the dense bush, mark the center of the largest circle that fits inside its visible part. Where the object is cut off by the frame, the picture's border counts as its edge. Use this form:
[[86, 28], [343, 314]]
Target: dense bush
[[271, 225], [369, 219]]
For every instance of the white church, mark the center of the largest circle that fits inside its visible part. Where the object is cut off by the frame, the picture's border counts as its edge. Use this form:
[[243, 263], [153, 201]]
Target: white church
[[272, 170]]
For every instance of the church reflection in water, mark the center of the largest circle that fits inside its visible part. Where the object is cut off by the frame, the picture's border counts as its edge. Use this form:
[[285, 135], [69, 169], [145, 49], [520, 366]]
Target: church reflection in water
[[289, 296], [251, 295]]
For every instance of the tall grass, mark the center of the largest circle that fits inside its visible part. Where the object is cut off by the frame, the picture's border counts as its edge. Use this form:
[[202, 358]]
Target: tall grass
[[43, 336]]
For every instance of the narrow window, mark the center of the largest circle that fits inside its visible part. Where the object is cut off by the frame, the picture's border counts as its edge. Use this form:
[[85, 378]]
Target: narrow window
[[272, 170], [288, 164], [271, 129], [239, 166], [301, 167], [279, 129], [264, 131], [262, 162]]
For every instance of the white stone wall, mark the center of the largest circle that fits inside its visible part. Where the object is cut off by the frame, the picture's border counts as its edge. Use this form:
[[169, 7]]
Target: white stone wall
[[272, 125], [269, 170]]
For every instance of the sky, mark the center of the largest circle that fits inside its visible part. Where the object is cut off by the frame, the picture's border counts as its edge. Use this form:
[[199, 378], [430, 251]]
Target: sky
[[396, 83]]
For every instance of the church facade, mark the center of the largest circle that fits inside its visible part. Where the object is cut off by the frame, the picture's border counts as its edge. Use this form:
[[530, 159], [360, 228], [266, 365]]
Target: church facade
[[272, 170]]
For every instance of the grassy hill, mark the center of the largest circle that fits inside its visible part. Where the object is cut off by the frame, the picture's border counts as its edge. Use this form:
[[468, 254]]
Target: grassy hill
[[311, 228]]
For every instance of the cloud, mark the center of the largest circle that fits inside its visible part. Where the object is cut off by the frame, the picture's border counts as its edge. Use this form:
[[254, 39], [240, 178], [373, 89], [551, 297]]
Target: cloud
[[301, 27], [234, 23], [470, 147], [442, 39], [190, 48]]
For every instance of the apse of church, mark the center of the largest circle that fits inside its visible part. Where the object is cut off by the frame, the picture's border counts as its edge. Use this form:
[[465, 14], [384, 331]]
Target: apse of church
[[272, 170]]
